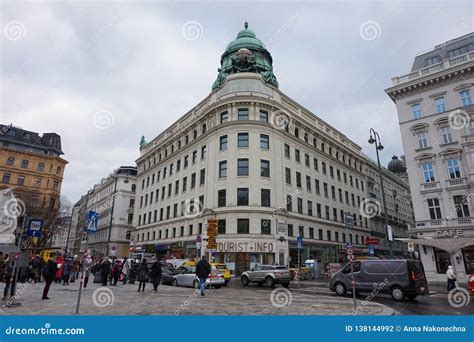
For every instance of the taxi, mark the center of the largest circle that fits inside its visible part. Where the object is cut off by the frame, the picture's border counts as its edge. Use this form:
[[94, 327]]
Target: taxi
[[222, 268]]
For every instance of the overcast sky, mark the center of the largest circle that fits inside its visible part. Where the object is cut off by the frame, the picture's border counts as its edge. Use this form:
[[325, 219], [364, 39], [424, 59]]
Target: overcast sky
[[102, 74]]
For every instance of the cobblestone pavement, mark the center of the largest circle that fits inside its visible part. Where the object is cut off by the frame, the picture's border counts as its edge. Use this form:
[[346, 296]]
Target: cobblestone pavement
[[234, 300]]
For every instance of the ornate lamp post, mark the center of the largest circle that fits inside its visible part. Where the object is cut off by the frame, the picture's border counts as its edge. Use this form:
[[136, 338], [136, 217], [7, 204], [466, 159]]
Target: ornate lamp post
[[375, 140]]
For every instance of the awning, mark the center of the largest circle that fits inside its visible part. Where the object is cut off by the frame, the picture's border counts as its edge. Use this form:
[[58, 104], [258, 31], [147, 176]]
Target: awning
[[449, 245]]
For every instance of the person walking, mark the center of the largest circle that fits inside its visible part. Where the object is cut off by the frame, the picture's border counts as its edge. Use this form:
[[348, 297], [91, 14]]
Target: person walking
[[67, 271], [117, 272], [9, 281], [104, 270], [49, 275], [203, 269], [75, 268], [87, 266], [126, 266], [451, 278], [156, 274], [143, 275]]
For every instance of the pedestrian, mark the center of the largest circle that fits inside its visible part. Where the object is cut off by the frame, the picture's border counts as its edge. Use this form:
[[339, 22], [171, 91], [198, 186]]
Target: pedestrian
[[3, 264], [39, 264], [117, 271], [203, 269], [60, 266], [143, 275], [67, 271], [75, 268], [104, 270], [87, 268], [9, 281], [156, 274], [126, 265], [133, 271], [49, 274], [451, 278]]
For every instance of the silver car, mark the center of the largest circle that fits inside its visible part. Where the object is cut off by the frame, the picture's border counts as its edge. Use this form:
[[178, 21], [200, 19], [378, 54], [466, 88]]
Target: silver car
[[268, 275], [188, 278]]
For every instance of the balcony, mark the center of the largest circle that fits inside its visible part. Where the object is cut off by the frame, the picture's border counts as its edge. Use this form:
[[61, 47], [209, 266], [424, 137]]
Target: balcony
[[456, 183], [432, 69], [430, 187]]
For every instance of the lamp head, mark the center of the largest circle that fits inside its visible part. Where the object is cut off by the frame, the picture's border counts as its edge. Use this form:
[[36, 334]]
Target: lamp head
[[371, 139]]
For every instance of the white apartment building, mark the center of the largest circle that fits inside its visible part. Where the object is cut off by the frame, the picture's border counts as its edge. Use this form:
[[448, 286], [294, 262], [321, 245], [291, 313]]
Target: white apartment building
[[250, 157], [114, 200], [59, 239], [435, 110]]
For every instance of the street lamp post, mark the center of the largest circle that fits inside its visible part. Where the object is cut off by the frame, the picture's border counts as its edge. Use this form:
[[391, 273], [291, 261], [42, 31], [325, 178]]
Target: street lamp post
[[375, 139], [111, 215]]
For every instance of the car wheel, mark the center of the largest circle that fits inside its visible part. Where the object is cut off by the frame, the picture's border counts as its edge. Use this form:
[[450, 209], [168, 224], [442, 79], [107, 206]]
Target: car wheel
[[412, 297], [269, 281], [397, 293], [286, 285], [245, 280], [175, 282], [340, 289], [196, 284]]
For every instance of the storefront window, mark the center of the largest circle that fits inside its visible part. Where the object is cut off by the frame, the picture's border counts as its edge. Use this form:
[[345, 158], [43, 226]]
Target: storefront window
[[442, 260], [468, 256]]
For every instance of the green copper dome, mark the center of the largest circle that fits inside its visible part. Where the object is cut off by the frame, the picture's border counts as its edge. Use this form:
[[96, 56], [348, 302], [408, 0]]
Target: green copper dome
[[246, 53]]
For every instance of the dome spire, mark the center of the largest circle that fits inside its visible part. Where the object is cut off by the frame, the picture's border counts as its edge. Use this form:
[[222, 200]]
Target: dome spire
[[246, 25]]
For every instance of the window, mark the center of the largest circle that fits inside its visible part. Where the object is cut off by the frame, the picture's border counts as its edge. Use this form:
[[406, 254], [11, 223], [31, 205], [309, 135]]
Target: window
[[242, 140], [422, 141], [325, 189], [263, 116], [223, 169], [193, 180], [37, 183], [433, 60], [416, 110], [242, 167], [243, 226], [288, 175], [265, 226], [323, 166], [428, 173], [224, 117], [300, 205], [56, 186], [264, 141], [195, 134], [202, 177], [453, 168], [264, 168], [203, 152], [328, 235], [11, 161], [320, 234], [289, 203], [471, 127], [242, 196], [434, 208], [315, 161], [461, 206], [194, 158], [21, 180], [442, 259], [265, 197], [447, 135], [290, 230], [306, 159], [440, 104], [311, 233], [310, 208], [297, 155], [24, 164], [466, 97], [287, 151], [221, 198], [298, 179], [243, 114], [58, 170], [316, 185], [221, 227], [308, 183], [223, 142]]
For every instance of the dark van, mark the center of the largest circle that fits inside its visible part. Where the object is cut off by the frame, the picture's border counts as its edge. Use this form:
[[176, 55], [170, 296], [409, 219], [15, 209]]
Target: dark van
[[400, 278]]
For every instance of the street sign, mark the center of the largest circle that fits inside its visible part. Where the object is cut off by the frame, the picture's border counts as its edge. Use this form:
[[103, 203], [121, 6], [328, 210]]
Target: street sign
[[411, 247], [92, 218], [34, 228], [299, 242], [348, 245], [389, 233], [371, 250], [349, 219], [211, 234], [372, 241]]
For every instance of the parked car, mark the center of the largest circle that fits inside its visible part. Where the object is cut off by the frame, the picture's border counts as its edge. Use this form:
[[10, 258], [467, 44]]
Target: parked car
[[188, 278], [268, 275], [166, 276], [222, 268], [400, 278], [471, 283]]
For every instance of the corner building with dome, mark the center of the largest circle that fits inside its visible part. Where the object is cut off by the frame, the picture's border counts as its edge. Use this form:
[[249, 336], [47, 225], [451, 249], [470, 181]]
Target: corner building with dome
[[261, 166]]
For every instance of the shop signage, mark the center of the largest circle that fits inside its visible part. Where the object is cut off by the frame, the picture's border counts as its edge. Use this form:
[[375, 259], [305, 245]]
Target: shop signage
[[211, 234], [372, 241], [246, 247], [449, 233]]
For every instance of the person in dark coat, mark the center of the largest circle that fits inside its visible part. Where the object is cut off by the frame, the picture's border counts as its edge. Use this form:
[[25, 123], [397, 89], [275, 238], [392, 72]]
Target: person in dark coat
[[104, 270], [117, 272], [143, 275], [9, 281], [203, 269], [67, 271], [156, 275], [49, 274]]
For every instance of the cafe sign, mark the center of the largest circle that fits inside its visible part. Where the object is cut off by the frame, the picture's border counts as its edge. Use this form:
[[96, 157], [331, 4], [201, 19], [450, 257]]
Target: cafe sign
[[246, 247], [449, 233]]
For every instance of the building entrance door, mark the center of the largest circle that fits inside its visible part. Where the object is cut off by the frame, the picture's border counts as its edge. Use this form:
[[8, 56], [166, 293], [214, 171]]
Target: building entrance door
[[242, 263]]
